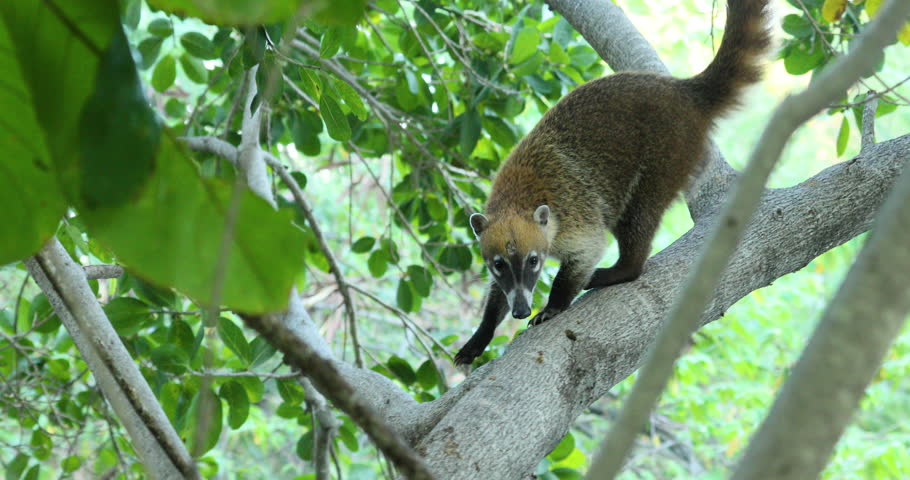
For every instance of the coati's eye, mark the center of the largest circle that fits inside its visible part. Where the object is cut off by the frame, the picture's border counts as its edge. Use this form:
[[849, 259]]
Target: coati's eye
[[533, 261], [499, 264]]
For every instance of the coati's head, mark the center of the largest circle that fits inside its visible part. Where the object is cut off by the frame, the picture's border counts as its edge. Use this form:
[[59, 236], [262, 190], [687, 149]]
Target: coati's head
[[514, 247]]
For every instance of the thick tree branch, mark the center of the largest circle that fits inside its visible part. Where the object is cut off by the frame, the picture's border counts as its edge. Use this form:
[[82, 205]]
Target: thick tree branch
[[684, 316], [154, 439], [843, 355]]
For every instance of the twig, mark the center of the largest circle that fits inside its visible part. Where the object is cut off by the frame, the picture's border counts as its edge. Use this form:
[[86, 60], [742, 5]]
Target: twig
[[334, 266], [224, 373], [689, 306], [99, 272], [868, 126]]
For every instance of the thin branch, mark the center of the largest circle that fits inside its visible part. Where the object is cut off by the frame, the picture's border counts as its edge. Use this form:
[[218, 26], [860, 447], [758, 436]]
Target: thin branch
[[334, 266], [868, 126], [686, 313], [99, 272]]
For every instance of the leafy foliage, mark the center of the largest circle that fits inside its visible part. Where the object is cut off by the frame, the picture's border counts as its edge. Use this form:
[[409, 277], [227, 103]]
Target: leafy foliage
[[392, 116]]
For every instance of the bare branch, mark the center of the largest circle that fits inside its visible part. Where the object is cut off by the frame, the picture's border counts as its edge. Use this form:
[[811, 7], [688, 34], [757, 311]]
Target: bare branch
[[868, 126], [99, 272], [156, 443]]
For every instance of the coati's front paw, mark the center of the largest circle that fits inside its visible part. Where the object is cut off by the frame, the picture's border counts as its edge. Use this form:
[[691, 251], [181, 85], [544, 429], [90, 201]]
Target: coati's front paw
[[544, 315], [467, 354]]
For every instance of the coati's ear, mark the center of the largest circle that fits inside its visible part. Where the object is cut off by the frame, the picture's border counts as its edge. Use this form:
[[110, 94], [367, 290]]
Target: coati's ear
[[542, 215], [478, 223]]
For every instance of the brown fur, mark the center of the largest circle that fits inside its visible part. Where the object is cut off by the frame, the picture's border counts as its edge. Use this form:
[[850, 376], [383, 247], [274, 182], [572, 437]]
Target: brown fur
[[612, 155]]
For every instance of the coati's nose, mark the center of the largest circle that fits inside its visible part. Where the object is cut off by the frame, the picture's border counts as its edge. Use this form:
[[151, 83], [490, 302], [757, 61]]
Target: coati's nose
[[521, 311]]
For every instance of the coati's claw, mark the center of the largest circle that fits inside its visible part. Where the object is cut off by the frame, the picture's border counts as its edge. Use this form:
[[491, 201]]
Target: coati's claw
[[543, 316], [466, 355]]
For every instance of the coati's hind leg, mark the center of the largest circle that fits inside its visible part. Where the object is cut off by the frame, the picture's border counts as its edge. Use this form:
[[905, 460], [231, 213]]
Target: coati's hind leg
[[634, 232]]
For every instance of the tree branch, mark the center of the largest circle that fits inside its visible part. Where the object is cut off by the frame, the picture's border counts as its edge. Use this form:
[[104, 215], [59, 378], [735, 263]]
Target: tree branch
[[154, 438]]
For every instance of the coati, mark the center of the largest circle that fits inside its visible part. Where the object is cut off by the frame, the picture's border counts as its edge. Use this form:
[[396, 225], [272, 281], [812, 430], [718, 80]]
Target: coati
[[611, 155]]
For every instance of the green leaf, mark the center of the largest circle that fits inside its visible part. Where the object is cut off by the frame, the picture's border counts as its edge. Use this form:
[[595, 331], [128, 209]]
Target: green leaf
[[421, 279], [562, 32], [238, 403], [291, 391], [117, 104], [127, 315], [41, 445], [194, 69], [164, 74], [310, 83], [167, 236], [457, 258], [15, 468], [402, 370], [378, 263], [181, 335], [71, 463], [304, 446], [170, 358], [255, 389], [231, 12], [802, 58], [161, 27], [348, 12], [404, 297], [558, 55], [335, 121], [262, 351], [797, 25], [330, 43], [40, 310], [351, 99], [363, 244], [149, 49], [198, 45], [427, 375], [525, 45], [29, 195], [233, 338], [500, 131], [843, 136], [563, 449], [567, 474], [470, 131], [204, 413]]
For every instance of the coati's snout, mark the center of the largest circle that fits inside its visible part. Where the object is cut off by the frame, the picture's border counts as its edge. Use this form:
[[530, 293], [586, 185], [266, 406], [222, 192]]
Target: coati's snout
[[514, 248]]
